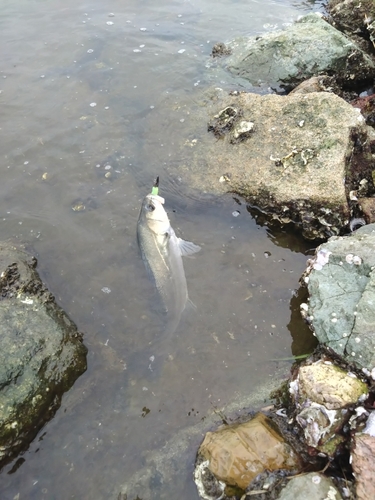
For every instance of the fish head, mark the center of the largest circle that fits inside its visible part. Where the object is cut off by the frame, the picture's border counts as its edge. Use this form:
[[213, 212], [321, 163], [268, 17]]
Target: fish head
[[154, 214]]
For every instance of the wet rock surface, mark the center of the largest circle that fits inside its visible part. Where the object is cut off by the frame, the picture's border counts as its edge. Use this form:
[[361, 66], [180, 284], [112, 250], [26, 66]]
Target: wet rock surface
[[41, 352], [325, 412], [322, 83], [309, 47], [329, 385], [235, 455], [299, 158], [310, 486], [220, 49], [341, 286], [363, 453], [163, 471], [325, 83], [356, 19], [367, 106], [288, 155], [263, 156], [367, 206], [322, 393]]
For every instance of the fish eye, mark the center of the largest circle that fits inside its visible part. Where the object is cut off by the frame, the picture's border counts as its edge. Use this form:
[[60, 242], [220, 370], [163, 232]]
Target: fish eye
[[150, 207]]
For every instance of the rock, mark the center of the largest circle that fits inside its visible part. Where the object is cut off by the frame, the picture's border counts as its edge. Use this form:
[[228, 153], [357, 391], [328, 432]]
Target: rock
[[220, 49], [41, 352], [324, 83], [269, 482], [308, 48], [341, 285], [236, 454], [367, 206], [367, 106], [356, 19], [363, 462], [312, 486], [161, 475], [329, 385], [290, 162], [321, 393], [313, 84]]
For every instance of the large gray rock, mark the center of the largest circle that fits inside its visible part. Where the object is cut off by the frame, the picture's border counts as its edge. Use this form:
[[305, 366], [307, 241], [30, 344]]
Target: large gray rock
[[307, 48], [341, 285], [288, 155], [41, 352]]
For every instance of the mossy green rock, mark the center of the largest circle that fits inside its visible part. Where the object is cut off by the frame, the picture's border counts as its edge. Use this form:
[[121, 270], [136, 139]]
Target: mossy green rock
[[41, 352]]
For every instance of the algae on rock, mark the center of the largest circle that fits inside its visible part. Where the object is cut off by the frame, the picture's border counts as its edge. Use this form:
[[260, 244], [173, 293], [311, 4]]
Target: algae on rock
[[309, 47], [292, 165], [41, 352]]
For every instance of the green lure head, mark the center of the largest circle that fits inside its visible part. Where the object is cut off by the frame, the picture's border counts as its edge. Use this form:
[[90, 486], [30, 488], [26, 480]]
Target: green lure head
[[155, 187]]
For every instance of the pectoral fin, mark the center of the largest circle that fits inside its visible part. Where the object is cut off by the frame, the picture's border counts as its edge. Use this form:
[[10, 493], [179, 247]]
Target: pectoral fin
[[187, 247]]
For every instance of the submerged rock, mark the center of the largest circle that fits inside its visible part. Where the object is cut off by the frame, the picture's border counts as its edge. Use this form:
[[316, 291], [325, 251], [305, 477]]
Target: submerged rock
[[341, 285], [41, 352], [307, 48], [236, 454], [312, 486], [220, 49]]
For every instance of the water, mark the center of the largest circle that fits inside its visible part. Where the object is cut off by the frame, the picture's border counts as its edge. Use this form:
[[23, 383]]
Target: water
[[79, 97]]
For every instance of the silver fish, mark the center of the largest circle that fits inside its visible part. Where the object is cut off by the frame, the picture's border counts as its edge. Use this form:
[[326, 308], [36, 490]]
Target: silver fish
[[162, 253]]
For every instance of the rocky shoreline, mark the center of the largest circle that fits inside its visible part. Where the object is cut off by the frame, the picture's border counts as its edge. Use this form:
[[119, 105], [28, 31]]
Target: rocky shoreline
[[305, 158], [299, 146]]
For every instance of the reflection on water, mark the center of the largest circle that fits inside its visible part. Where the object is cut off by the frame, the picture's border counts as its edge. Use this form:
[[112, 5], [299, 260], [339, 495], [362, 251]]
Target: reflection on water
[[79, 85]]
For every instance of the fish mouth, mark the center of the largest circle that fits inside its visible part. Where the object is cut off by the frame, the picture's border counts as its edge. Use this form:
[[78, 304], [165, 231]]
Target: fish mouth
[[156, 197]]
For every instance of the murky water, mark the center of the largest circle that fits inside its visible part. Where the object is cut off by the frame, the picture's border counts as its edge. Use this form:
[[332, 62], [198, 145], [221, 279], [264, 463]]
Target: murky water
[[79, 83]]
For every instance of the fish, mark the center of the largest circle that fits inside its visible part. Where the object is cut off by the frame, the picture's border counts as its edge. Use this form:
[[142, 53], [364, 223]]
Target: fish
[[162, 251]]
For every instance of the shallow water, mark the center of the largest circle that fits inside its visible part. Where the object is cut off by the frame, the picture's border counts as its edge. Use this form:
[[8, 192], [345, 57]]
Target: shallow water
[[77, 98]]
